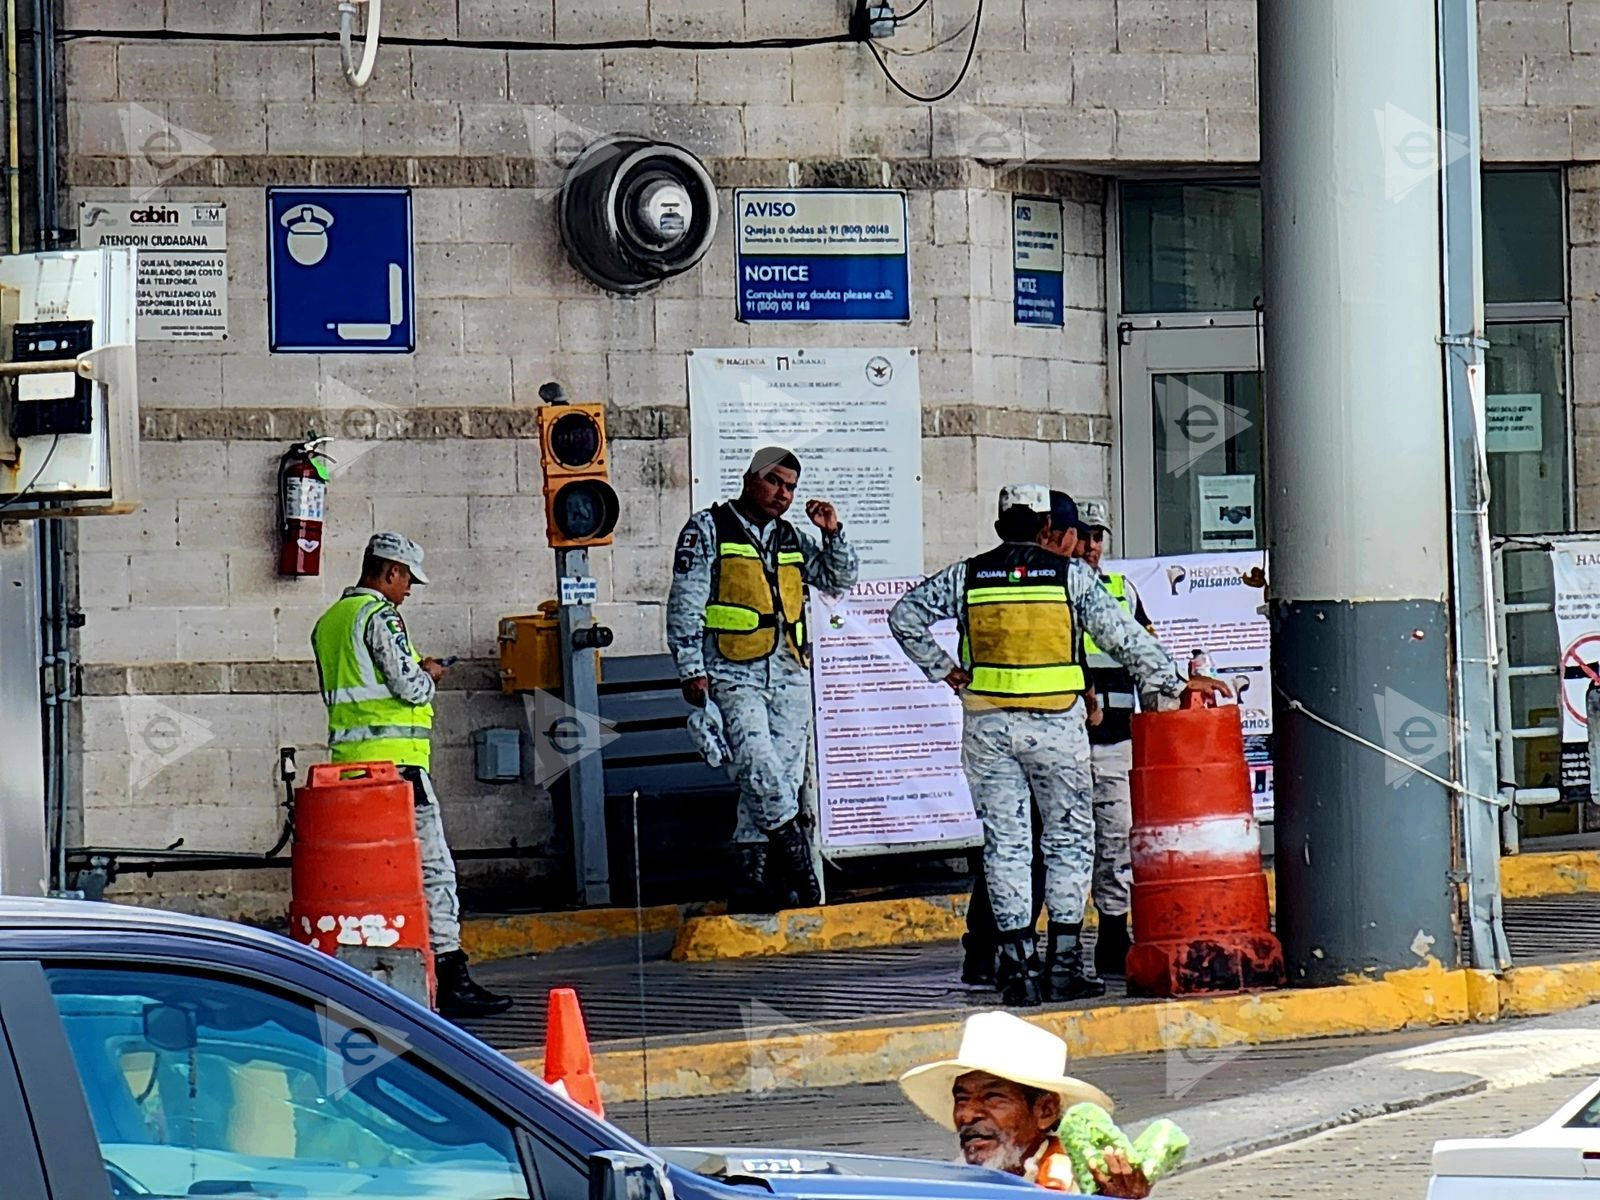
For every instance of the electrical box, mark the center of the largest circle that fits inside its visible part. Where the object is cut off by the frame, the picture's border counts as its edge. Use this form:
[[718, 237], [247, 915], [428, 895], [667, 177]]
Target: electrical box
[[530, 651], [69, 433], [499, 755]]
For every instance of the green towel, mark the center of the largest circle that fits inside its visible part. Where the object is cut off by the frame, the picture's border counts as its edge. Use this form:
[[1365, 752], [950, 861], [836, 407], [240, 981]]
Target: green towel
[[1087, 1132]]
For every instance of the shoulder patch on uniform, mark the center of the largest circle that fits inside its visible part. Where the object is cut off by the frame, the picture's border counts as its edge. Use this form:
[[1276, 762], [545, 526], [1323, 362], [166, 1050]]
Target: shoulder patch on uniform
[[689, 538], [683, 563]]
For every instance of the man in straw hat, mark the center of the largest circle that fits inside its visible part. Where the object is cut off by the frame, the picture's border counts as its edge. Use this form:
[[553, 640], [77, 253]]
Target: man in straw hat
[[1003, 1095]]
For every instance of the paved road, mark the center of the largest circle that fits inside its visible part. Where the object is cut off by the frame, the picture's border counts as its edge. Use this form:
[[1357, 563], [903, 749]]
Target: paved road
[[1376, 1159], [875, 1119]]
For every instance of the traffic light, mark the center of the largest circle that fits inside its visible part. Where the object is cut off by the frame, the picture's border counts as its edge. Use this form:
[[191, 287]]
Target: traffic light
[[580, 505]]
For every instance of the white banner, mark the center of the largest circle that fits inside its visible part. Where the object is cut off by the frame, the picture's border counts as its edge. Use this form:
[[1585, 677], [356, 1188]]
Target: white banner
[[852, 417], [888, 741], [1575, 565], [889, 772], [1200, 602]]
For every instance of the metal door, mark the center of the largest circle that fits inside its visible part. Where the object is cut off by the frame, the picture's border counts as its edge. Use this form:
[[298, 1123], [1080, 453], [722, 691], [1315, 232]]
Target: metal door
[[1191, 437]]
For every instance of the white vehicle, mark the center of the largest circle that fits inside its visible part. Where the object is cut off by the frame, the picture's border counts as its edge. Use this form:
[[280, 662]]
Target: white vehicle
[[1559, 1157]]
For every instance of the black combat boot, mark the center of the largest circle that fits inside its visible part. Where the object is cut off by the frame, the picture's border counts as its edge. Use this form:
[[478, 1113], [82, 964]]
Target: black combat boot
[[458, 995], [1064, 976], [977, 963], [1111, 946], [792, 850], [1018, 987], [751, 892]]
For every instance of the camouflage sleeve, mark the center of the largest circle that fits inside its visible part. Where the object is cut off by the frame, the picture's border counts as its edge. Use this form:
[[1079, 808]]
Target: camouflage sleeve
[[1139, 614], [832, 568], [1119, 635], [691, 589], [937, 598], [391, 652]]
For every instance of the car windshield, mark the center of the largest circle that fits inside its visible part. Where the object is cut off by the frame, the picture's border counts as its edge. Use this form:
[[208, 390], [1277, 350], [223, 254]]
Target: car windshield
[[201, 1087]]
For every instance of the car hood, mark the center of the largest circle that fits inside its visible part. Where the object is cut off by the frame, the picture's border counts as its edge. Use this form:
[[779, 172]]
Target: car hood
[[839, 1175]]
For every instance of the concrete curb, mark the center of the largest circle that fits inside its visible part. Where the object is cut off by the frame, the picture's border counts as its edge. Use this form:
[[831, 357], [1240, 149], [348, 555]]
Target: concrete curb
[[705, 935], [793, 1056]]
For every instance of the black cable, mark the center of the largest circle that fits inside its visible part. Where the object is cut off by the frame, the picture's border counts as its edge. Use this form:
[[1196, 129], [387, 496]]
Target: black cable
[[190, 35], [18, 497], [972, 49], [904, 17]]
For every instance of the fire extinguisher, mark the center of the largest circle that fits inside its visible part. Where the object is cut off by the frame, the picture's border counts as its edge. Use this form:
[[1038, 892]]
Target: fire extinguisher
[[302, 501]]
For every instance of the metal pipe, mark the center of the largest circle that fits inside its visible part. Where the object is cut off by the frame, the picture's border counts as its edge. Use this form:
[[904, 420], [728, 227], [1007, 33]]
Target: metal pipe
[[13, 134], [1474, 645]]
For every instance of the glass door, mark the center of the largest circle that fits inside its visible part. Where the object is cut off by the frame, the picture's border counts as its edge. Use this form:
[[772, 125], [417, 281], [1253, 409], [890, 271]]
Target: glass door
[[1191, 444]]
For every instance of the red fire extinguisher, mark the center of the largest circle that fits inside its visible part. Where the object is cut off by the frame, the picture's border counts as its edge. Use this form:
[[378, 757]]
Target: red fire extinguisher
[[302, 501]]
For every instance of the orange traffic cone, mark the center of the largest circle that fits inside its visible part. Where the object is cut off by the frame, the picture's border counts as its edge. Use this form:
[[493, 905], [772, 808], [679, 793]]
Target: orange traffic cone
[[568, 1065]]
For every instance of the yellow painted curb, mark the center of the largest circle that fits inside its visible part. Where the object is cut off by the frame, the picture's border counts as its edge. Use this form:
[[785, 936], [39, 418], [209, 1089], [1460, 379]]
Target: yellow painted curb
[[486, 938], [1560, 873], [792, 1057]]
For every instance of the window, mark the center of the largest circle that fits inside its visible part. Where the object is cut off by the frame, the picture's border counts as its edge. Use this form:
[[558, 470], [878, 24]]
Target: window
[[1191, 247], [1524, 244], [199, 1086]]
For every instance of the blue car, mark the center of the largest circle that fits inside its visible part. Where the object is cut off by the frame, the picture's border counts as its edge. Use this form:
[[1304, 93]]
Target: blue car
[[148, 1054]]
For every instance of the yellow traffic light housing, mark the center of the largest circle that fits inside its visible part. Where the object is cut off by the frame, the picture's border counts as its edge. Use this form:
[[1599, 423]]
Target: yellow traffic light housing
[[580, 505]]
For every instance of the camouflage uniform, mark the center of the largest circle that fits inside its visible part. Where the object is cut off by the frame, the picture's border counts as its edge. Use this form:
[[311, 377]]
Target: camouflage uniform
[[390, 646], [1008, 752], [765, 704]]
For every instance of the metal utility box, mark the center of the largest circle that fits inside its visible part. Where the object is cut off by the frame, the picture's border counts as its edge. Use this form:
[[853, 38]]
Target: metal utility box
[[498, 755], [530, 651]]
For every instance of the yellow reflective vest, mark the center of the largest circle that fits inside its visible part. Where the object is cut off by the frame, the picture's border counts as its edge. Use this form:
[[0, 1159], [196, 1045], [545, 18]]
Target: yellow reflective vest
[[1017, 631], [1117, 585], [365, 721], [747, 599]]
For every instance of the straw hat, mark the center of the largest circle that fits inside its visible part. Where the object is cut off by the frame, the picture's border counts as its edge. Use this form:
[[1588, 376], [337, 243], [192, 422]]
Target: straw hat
[[1000, 1044]]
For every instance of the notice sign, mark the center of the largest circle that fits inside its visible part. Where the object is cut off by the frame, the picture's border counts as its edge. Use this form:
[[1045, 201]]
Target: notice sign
[[820, 254], [1575, 566], [1037, 261], [1200, 602], [183, 263], [1227, 511], [1515, 423], [852, 417], [888, 741]]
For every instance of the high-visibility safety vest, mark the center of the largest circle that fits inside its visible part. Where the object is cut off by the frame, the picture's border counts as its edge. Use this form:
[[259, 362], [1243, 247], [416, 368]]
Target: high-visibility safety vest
[[747, 599], [1016, 631], [1097, 658], [365, 721]]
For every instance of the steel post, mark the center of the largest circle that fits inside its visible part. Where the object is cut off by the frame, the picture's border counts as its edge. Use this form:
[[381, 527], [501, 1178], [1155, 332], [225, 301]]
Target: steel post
[[586, 778], [24, 854], [1356, 447]]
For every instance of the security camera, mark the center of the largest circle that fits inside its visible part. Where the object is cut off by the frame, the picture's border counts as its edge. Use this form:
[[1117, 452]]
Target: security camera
[[635, 212]]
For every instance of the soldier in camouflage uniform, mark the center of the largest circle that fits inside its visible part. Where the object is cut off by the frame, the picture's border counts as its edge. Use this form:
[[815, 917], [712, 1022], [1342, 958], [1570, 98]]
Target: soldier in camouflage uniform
[[736, 627], [1020, 678]]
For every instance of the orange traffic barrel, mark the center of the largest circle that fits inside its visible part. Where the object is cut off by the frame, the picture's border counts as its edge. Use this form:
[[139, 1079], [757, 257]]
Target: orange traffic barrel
[[1201, 921], [568, 1064], [356, 875]]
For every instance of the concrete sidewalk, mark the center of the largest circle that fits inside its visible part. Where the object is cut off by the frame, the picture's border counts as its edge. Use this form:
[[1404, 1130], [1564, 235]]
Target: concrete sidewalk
[[841, 1017]]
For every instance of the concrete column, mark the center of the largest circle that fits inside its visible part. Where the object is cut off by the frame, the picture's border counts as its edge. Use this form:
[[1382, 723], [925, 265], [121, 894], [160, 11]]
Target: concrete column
[[24, 855], [1357, 484]]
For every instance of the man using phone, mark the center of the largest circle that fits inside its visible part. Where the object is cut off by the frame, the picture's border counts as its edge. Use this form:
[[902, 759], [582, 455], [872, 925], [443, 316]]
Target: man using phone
[[736, 626], [379, 694]]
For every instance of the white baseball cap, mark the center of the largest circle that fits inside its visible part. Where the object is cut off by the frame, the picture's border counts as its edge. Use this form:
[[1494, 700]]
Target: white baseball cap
[[1095, 514], [1035, 497], [397, 547]]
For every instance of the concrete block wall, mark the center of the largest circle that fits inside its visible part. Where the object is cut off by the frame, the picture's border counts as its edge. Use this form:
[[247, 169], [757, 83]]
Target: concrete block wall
[[183, 607]]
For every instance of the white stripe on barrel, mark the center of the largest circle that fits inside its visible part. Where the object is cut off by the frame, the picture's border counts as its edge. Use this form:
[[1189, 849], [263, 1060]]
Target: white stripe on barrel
[[1214, 839]]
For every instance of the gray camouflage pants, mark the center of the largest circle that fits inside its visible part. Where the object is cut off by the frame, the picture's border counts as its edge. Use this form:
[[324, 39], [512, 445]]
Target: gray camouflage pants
[[766, 727], [1008, 754], [438, 867], [1113, 820]]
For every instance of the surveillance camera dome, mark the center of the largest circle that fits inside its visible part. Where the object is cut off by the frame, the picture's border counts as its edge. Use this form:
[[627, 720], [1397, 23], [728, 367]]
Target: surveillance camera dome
[[635, 212]]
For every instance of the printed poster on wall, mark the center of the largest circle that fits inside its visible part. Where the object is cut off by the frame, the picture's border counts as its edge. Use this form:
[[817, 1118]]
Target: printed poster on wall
[[1227, 511], [1575, 566], [1200, 602], [852, 416], [822, 254], [888, 740], [183, 263], [1037, 261]]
